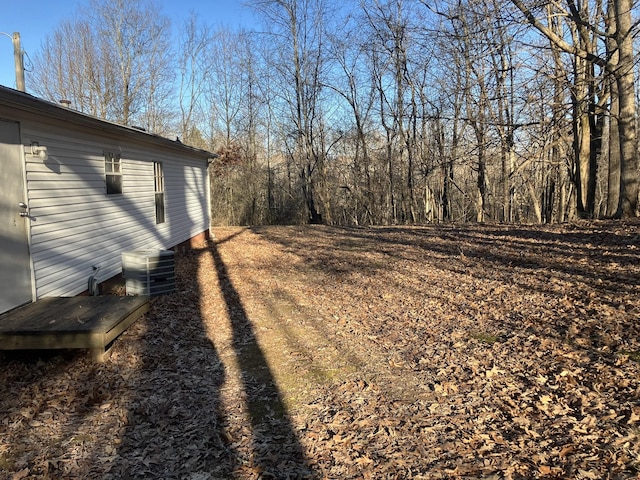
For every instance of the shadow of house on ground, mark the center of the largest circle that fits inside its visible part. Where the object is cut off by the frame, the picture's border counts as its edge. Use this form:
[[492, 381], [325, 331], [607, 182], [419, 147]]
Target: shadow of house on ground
[[43, 426], [151, 411], [170, 403], [174, 419], [199, 410]]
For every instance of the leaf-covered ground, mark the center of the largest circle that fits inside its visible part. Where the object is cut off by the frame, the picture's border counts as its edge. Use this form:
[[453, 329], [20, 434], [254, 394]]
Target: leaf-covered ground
[[487, 351]]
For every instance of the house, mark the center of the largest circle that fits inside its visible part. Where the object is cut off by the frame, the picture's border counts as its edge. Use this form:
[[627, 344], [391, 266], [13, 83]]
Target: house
[[76, 192]]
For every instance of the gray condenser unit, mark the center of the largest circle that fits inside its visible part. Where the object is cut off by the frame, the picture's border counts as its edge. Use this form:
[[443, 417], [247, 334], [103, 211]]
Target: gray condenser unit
[[149, 272]]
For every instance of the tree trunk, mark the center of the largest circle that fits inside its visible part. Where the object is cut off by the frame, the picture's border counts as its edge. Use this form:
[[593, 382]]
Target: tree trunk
[[582, 139], [626, 122], [481, 183], [613, 154]]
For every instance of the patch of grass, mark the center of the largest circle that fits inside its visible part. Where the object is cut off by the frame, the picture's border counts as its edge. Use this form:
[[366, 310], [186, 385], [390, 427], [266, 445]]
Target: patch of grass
[[7, 464], [635, 356], [484, 337], [320, 375], [82, 438], [324, 376]]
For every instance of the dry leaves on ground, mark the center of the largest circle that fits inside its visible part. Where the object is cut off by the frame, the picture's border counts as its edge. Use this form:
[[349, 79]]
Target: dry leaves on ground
[[485, 351]]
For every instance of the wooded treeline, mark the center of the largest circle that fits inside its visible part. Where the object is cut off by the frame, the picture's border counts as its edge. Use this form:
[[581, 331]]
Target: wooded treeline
[[376, 112]]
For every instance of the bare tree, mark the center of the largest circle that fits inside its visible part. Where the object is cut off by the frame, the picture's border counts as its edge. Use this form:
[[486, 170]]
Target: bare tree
[[113, 61], [71, 67], [622, 70], [136, 40], [592, 26], [224, 87], [298, 30], [352, 83], [193, 73]]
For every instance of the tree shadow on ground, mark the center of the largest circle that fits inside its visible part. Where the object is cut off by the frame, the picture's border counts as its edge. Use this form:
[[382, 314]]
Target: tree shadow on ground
[[587, 254], [275, 447], [586, 276], [151, 411], [155, 408], [174, 422]]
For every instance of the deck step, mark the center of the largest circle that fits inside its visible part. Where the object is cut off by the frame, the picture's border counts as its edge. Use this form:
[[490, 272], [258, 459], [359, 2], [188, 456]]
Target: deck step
[[70, 322]]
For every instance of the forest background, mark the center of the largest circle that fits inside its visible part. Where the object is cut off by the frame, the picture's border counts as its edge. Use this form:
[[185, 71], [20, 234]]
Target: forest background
[[375, 112]]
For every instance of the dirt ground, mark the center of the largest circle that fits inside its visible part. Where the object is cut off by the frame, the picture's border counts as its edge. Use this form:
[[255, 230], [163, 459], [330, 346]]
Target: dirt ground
[[481, 351]]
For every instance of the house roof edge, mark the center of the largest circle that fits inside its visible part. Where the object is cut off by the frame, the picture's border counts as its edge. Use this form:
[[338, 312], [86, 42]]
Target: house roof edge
[[27, 102]]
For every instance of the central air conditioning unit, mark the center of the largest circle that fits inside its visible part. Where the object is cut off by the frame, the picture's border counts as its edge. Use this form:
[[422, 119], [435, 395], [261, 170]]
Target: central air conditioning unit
[[149, 272]]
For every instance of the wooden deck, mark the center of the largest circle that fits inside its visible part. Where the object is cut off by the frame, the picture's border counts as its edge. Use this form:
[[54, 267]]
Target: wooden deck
[[70, 322]]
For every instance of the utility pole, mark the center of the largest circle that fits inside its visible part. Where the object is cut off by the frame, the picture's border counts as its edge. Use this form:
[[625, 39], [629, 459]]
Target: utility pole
[[18, 59]]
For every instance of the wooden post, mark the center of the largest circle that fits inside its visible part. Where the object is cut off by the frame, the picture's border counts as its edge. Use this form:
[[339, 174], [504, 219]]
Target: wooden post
[[19, 62]]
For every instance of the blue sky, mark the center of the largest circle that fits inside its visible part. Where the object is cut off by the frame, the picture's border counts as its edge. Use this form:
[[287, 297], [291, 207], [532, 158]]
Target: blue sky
[[35, 19]]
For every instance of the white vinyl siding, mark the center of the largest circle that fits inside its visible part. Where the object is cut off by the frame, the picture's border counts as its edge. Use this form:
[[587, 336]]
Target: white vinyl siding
[[76, 225]]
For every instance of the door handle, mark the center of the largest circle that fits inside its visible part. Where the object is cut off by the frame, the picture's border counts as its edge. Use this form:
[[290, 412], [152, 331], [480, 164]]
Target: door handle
[[25, 207]]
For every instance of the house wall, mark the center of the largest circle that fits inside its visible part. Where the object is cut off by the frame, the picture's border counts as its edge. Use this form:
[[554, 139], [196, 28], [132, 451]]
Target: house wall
[[76, 225]]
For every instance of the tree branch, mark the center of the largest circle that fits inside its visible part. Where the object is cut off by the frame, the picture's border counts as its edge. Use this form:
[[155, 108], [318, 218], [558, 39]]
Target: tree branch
[[556, 40]]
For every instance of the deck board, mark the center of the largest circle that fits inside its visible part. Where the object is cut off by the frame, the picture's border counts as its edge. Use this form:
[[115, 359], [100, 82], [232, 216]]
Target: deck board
[[70, 322]]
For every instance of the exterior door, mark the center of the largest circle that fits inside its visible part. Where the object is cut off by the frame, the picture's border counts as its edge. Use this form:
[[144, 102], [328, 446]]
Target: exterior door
[[15, 263]]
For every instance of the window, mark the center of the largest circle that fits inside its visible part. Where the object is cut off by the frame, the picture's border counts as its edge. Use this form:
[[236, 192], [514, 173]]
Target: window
[[113, 172], [158, 180]]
